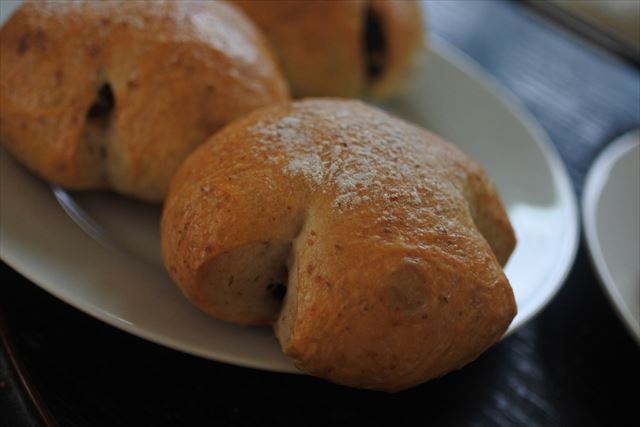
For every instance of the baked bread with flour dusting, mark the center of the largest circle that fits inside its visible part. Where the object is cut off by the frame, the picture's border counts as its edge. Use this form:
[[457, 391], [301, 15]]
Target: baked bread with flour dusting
[[372, 246]]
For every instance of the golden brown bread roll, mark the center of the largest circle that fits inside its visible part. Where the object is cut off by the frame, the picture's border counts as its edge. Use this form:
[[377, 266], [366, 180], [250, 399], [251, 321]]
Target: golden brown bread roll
[[341, 48], [116, 94], [387, 241]]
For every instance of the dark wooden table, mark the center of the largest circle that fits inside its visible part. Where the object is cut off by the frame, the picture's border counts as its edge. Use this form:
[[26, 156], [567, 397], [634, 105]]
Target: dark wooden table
[[573, 365]]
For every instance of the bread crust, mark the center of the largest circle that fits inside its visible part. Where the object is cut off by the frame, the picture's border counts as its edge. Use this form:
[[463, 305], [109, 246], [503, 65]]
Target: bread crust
[[388, 234], [172, 73], [322, 44]]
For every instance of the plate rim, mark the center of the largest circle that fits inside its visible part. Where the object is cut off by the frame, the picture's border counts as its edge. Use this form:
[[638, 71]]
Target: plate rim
[[137, 331], [560, 175], [557, 275], [597, 178]]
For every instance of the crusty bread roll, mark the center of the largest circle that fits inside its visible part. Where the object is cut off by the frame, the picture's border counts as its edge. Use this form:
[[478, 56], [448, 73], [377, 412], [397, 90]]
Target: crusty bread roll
[[385, 242], [341, 48], [116, 94]]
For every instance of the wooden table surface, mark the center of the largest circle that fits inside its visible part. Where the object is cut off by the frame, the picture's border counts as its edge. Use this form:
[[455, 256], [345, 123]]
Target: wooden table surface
[[573, 365]]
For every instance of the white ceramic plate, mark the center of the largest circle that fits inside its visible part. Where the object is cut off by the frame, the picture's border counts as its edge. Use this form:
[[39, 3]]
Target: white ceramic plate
[[611, 212], [100, 252]]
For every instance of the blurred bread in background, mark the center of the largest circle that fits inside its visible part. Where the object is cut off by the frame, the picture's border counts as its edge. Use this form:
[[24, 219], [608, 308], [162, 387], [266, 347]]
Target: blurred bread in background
[[116, 94], [341, 48]]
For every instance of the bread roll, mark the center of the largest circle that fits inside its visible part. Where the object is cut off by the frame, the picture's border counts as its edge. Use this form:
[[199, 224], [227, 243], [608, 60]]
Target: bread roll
[[341, 48], [116, 94], [372, 246]]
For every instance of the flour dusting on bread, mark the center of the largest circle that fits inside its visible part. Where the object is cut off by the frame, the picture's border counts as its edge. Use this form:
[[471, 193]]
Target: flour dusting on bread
[[375, 161]]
